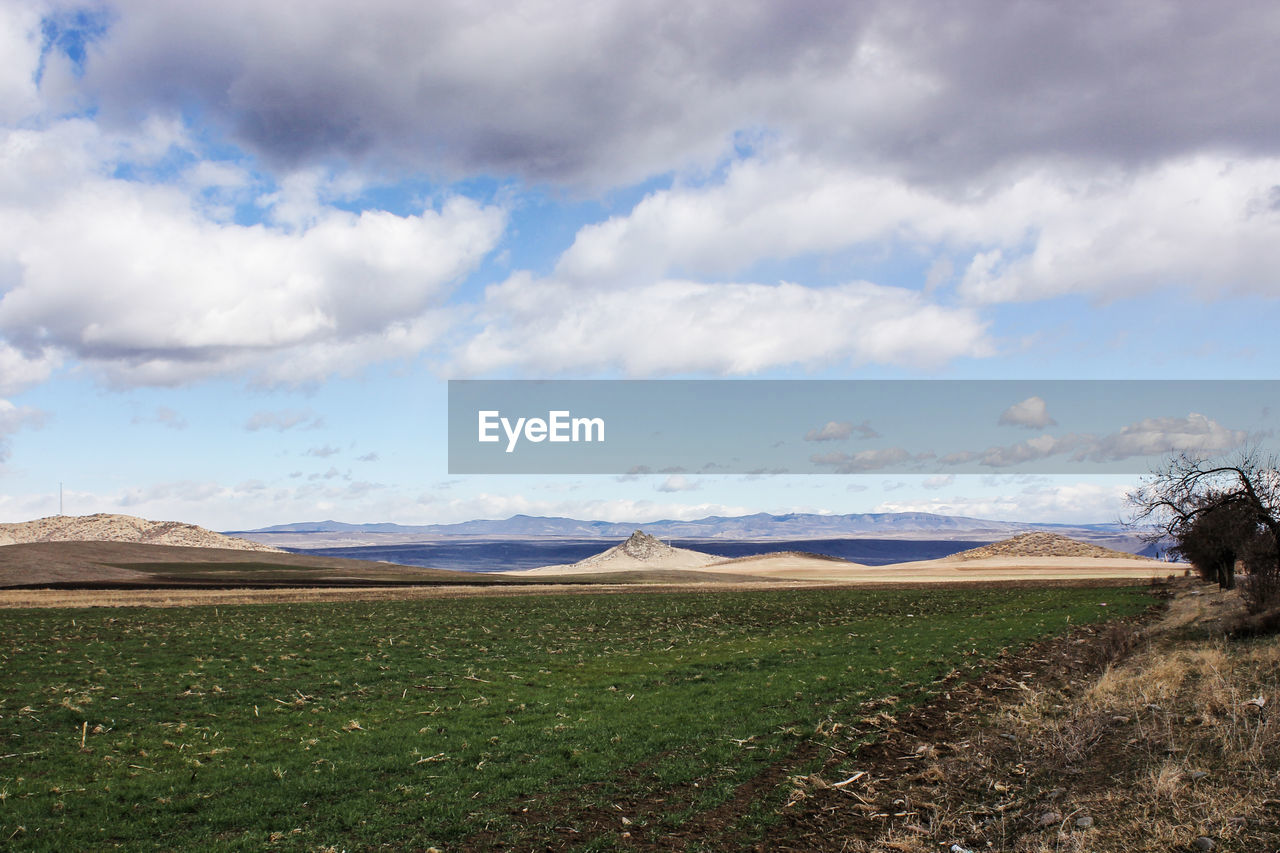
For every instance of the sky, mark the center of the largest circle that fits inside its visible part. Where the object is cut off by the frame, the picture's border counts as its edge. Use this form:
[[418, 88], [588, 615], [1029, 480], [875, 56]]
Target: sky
[[245, 245]]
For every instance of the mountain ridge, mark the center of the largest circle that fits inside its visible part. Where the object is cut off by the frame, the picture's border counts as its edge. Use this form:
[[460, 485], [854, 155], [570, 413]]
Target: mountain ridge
[[781, 526], [760, 527]]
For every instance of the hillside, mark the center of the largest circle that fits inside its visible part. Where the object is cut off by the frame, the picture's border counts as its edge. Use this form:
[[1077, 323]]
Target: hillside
[[107, 564], [647, 550], [1041, 544], [108, 527]]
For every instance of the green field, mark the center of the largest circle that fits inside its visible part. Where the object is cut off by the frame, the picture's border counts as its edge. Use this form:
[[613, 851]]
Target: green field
[[439, 722]]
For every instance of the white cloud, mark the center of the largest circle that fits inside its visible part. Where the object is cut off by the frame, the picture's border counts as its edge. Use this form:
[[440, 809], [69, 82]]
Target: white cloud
[[682, 326], [180, 492], [245, 505], [831, 431], [1194, 434], [863, 460], [20, 47], [167, 288], [1040, 447], [1031, 413], [158, 293], [677, 483], [939, 481], [780, 206], [440, 509], [282, 420], [164, 416], [14, 418], [1075, 502], [1207, 223], [841, 431], [19, 371]]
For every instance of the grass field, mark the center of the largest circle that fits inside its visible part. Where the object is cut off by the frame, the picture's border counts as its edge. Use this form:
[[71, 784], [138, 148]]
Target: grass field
[[462, 724]]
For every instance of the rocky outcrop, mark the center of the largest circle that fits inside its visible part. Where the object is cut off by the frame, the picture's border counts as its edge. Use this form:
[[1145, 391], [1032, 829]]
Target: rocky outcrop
[[642, 546], [639, 553], [1041, 544]]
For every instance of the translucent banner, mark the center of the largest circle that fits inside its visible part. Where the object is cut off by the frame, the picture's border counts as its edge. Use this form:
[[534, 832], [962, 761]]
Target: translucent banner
[[849, 426]]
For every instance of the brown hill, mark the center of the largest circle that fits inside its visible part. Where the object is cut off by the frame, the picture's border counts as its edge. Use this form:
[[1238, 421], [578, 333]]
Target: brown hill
[[1041, 544], [108, 527]]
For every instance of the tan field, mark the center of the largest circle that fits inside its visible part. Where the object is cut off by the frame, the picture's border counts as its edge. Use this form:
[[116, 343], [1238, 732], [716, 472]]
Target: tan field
[[130, 573], [948, 569], [1032, 556], [806, 567]]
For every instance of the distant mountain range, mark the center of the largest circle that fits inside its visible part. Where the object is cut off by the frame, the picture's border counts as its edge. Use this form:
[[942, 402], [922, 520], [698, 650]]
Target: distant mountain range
[[757, 527]]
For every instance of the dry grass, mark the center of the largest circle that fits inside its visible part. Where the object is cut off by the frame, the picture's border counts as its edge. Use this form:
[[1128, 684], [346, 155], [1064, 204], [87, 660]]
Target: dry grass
[[1172, 737], [1164, 747]]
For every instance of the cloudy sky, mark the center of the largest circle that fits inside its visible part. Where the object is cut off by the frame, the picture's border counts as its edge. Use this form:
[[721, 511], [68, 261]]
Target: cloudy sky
[[243, 245]]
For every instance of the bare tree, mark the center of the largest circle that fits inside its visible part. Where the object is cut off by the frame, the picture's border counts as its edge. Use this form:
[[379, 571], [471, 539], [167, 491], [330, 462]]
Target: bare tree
[[1218, 511], [1217, 538]]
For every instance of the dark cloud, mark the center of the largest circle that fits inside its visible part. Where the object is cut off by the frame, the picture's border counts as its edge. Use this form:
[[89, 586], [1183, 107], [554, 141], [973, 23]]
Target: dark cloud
[[606, 93]]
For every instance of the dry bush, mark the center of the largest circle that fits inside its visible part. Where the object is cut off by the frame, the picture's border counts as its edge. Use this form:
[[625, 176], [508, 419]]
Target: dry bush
[[1263, 624], [1260, 588]]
